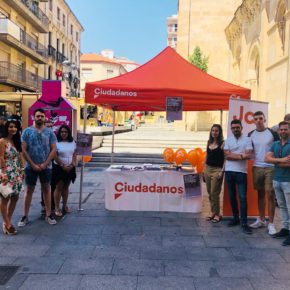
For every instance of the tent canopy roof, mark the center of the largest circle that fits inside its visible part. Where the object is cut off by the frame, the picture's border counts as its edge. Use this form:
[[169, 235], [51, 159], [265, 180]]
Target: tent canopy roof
[[166, 75]]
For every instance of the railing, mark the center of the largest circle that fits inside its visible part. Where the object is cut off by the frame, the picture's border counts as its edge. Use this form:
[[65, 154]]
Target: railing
[[51, 51], [12, 72], [32, 43], [10, 28], [60, 58], [36, 11]]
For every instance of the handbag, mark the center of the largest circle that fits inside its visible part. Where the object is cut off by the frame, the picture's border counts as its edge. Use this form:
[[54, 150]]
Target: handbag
[[6, 189]]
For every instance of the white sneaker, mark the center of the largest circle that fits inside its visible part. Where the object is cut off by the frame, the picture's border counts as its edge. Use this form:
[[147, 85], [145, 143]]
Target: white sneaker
[[23, 222], [271, 229], [50, 219], [258, 224]]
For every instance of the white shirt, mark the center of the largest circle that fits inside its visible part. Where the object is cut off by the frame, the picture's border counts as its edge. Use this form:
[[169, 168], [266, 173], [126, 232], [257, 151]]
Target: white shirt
[[262, 142], [65, 151], [237, 146]]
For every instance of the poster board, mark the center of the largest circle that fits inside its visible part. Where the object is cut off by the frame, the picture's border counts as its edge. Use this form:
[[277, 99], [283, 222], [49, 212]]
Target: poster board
[[84, 144], [174, 108]]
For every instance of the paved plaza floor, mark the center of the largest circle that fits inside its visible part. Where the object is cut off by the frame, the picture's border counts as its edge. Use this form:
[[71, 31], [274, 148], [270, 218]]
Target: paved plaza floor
[[99, 249]]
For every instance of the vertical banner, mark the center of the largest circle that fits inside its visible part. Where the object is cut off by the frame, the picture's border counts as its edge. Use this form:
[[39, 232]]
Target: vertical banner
[[244, 110], [192, 185], [173, 108]]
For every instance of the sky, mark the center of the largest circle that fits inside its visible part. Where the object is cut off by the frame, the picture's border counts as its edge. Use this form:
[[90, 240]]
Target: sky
[[135, 29]]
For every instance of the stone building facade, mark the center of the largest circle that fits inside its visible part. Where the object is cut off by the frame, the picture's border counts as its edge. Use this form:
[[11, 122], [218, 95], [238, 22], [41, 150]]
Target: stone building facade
[[258, 37], [38, 39], [202, 23]]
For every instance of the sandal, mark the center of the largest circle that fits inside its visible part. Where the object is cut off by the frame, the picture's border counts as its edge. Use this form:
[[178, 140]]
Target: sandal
[[209, 218], [216, 219], [58, 212], [66, 210]]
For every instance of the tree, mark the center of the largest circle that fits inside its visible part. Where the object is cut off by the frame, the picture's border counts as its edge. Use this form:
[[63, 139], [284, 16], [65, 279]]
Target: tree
[[198, 59]]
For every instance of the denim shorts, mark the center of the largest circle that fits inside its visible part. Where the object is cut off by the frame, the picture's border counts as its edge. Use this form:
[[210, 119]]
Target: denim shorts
[[31, 176]]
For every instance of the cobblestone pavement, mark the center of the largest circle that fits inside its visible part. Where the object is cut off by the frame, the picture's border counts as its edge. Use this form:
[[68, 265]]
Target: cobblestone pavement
[[98, 249]]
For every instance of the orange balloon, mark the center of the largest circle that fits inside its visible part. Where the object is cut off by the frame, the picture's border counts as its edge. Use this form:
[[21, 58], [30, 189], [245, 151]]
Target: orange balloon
[[168, 155], [87, 159], [201, 158], [180, 156], [199, 168], [199, 150], [192, 157]]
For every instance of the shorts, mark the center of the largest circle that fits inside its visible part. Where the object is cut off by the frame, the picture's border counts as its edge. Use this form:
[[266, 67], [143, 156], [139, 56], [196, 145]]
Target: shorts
[[31, 176], [262, 178]]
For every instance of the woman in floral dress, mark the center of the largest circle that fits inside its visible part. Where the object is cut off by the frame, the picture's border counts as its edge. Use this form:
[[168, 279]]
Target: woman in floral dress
[[12, 164]]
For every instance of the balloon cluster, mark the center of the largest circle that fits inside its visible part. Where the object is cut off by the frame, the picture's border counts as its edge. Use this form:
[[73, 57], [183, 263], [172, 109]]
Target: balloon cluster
[[194, 157]]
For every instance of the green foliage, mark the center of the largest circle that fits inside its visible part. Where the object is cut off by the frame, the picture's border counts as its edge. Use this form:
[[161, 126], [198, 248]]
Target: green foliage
[[198, 59]]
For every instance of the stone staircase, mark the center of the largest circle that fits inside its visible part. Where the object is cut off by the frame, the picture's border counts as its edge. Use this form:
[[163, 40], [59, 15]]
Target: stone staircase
[[146, 145]]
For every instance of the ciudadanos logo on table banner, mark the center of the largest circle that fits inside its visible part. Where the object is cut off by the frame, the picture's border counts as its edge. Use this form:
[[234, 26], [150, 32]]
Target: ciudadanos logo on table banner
[[124, 187], [111, 92]]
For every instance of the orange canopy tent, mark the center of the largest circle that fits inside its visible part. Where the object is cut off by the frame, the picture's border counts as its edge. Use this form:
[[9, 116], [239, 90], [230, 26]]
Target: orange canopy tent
[[166, 75]]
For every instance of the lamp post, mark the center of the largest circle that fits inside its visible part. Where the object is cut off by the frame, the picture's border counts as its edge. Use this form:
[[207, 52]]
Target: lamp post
[[71, 77]]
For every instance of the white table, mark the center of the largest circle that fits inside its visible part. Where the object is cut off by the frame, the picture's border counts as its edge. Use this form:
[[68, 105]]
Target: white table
[[149, 191]]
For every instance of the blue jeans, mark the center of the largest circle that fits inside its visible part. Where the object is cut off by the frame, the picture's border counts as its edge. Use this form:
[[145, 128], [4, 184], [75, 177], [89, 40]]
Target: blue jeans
[[234, 181], [282, 191]]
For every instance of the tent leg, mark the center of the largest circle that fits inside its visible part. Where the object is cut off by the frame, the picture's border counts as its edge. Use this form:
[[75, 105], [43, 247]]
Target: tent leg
[[113, 138], [221, 117], [83, 163]]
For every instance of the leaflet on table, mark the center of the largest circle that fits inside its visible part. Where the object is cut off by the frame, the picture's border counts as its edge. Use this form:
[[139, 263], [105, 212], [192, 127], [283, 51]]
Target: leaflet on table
[[135, 167]]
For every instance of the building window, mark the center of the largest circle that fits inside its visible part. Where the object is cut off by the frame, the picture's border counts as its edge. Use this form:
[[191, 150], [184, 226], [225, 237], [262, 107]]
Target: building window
[[77, 36], [63, 19], [71, 29], [58, 13], [50, 5], [175, 27], [281, 22], [87, 73], [110, 73]]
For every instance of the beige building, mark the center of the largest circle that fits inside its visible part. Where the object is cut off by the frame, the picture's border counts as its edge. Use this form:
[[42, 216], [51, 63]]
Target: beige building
[[258, 37], [64, 45], [95, 67], [172, 25], [202, 23], [37, 39]]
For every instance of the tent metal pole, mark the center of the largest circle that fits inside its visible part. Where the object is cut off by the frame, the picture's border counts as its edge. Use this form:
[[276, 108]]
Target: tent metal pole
[[83, 163], [221, 117], [113, 138]]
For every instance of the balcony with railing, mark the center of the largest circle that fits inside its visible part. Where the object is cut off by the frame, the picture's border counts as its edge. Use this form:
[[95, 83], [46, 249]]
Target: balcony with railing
[[30, 10], [51, 52], [14, 36], [60, 58], [13, 75]]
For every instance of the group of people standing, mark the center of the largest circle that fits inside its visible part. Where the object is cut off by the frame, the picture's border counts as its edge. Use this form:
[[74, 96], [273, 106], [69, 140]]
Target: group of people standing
[[50, 158], [270, 152]]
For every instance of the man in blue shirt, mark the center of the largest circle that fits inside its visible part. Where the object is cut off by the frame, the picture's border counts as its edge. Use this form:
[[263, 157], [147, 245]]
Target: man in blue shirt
[[280, 156], [39, 148]]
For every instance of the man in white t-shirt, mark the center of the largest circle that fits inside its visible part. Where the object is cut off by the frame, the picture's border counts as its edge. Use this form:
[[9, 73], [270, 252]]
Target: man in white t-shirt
[[262, 139], [238, 150]]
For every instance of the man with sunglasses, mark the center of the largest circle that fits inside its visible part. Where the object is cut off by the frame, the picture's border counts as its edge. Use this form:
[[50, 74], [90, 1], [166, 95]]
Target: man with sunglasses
[[262, 139], [238, 150], [279, 155]]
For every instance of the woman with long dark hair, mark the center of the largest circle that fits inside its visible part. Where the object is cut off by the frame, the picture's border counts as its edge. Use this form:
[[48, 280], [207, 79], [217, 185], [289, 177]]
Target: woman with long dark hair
[[64, 171], [12, 164], [213, 172]]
